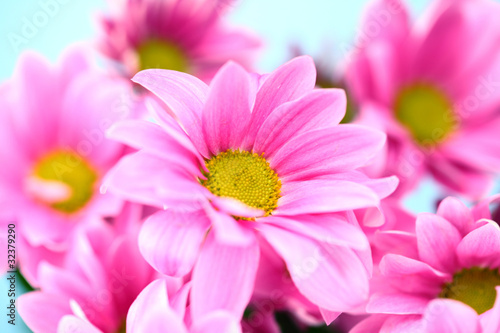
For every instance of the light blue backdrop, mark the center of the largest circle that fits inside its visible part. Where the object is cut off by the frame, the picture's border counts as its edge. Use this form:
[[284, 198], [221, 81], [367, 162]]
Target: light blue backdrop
[[318, 26]]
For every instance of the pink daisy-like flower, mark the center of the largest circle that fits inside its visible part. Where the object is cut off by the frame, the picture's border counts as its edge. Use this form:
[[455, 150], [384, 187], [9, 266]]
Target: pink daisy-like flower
[[155, 311], [100, 277], [452, 284], [433, 88], [255, 155], [183, 35], [53, 149]]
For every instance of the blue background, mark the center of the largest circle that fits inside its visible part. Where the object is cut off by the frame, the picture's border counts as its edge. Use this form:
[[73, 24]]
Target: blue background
[[319, 27]]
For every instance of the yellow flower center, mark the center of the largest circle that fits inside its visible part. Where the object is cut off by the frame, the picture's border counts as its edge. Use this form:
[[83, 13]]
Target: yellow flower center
[[155, 53], [244, 176], [475, 287], [70, 170], [426, 112]]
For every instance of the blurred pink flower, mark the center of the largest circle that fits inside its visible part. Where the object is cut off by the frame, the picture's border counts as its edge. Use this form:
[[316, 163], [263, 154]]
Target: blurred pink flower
[[433, 88], [183, 35], [155, 311], [99, 279], [452, 284], [269, 151], [53, 149]]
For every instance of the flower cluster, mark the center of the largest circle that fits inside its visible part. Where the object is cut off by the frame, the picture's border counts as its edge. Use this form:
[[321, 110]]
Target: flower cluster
[[171, 188]]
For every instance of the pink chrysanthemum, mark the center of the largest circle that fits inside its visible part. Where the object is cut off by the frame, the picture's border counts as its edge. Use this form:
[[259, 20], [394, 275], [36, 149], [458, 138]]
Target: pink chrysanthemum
[[53, 149], [182, 35], [255, 155], [452, 284], [433, 88], [100, 277]]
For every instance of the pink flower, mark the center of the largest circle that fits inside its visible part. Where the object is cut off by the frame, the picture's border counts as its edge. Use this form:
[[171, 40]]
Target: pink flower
[[451, 285], [182, 35], [433, 88], [267, 150], [154, 311], [53, 150], [93, 289]]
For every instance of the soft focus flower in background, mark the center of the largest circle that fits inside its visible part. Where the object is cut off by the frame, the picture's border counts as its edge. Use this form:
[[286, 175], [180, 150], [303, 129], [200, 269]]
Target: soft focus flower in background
[[54, 151], [452, 284], [98, 280], [433, 87], [182, 35]]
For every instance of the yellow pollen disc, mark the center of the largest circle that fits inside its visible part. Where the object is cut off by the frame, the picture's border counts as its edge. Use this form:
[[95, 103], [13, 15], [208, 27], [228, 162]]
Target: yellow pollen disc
[[70, 169], [244, 176], [156, 53], [475, 287], [426, 112]]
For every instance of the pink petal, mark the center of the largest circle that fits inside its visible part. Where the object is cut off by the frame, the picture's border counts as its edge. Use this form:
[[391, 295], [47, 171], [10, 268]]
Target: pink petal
[[372, 324], [395, 18], [227, 109], [151, 311], [328, 150], [437, 241], [179, 300], [170, 241], [329, 316], [235, 44], [460, 177], [219, 269], [323, 196], [328, 228], [287, 83], [482, 141], [331, 277], [59, 281], [72, 324], [403, 324], [228, 230], [410, 275], [74, 61], [128, 268], [482, 209], [382, 186], [235, 207], [462, 23], [152, 138], [184, 94], [41, 311], [147, 179], [171, 126], [490, 320], [319, 108], [217, 322], [397, 304], [397, 242], [455, 212], [35, 117], [481, 247], [446, 315], [88, 107]]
